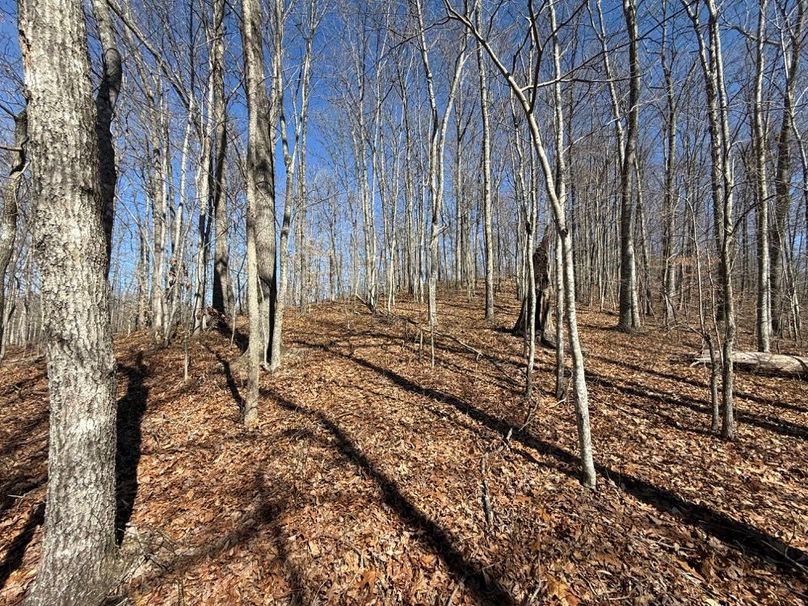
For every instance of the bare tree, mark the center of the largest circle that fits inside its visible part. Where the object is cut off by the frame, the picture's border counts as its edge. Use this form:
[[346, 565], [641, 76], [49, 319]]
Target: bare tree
[[106, 99], [761, 186], [8, 218], [555, 190], [722, 185], [437, 144], [790, 46], [222, 300], [629, 308], [260, 178], [79, 552], [488, 226]]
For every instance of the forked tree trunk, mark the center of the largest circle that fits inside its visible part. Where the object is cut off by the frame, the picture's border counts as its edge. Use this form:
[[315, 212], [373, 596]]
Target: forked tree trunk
[[555, 190], [78, 550]]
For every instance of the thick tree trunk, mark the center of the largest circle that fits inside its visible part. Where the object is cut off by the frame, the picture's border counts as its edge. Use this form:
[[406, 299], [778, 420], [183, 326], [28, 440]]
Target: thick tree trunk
[[260, 201], [78, 550], [782, 178]]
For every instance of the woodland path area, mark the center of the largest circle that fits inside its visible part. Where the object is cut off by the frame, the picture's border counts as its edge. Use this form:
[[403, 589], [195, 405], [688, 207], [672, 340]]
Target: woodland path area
[[363, 483]]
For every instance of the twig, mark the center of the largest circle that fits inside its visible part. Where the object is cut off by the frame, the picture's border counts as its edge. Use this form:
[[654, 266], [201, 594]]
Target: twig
[[455, 590]]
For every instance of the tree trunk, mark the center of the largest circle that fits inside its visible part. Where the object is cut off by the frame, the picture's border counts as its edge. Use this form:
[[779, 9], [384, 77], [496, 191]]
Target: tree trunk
[[488, 226], [78, 550], [105, 101], [630, 317], [767, 363], [260, 202], [763, 315], [782, 178], [222, 295], [8, 220]]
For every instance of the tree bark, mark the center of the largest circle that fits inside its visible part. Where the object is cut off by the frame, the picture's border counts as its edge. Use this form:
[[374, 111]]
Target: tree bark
[[763, 315], [8, 219], [782, 177], [78, 550], [112, 74], [764, 362], [222, 296], [260, 202], [488, 226]]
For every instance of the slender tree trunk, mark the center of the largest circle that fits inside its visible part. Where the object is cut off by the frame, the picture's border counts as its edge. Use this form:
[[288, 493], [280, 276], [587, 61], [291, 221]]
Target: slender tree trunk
[[488, 226], [763, 315], [8, 219], [669, 199], [437, 143], [105, 101], [630, 317], [222, 296]]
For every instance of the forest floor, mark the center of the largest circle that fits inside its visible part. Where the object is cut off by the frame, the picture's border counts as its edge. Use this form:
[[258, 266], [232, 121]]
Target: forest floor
[[363, 483]]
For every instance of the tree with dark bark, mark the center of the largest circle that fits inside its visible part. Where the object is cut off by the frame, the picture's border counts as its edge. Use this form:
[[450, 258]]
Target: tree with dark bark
[[107, 97]]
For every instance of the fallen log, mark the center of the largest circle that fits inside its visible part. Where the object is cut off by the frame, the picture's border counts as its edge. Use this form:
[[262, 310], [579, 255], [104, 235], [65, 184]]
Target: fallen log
[[769, 363]]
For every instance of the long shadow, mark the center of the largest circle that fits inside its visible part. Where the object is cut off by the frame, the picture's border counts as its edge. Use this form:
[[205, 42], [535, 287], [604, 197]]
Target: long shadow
[[266, 513], [16, 550], [436, 538], [131, 408], [735, 533], [20, 485], [25, 431], [239, 338], [230, 379], [785, 428], [672, 377], [441, 343], [269, 514], [662, 417]]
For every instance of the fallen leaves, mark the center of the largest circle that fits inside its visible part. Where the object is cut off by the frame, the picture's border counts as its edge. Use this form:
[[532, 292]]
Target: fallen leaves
[[362, 484]]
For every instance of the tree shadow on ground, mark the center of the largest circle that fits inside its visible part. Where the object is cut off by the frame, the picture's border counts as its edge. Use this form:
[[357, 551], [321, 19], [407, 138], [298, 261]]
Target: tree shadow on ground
[[435, 538], [779, 426], [702, 384], [264, 515], [232, 386], [734, 533], [16, 550], [131, 408], [270, 513]]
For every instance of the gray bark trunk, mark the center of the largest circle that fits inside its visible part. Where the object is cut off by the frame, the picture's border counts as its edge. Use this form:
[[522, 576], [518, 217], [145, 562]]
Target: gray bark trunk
[[260, 200], [8, 219], [78, 550]]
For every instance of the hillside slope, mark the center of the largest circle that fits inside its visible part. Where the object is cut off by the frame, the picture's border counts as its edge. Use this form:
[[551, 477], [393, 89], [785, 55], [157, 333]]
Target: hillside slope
[[363, 483]]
